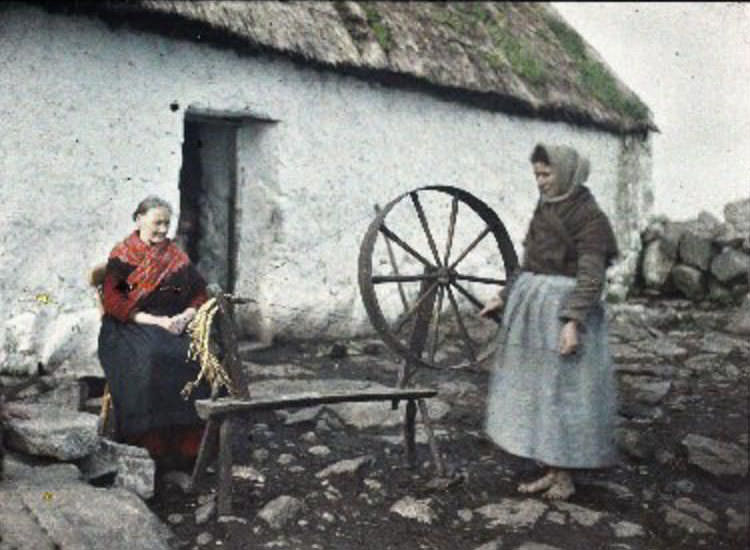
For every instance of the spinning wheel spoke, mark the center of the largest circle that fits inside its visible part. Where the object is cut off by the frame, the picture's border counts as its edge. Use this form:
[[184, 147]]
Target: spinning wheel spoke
[[469, 296], [425, 226], [468, 343], [396, 239], [436, 334], [394, 266], [484, 280], [379, 279], [474, 243], [451, 229], [406, 316]]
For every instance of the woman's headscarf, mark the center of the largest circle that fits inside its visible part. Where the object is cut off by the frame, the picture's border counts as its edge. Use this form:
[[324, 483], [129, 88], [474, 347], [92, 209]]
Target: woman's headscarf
[[570, 168]]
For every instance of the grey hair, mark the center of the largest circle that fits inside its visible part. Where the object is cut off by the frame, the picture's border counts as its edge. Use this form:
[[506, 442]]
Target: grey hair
[[152, 201]]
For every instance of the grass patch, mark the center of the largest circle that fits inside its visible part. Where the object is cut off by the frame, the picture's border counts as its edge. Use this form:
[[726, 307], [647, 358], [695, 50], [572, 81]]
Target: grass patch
[[594, 77], [378, 26], [466, 18]]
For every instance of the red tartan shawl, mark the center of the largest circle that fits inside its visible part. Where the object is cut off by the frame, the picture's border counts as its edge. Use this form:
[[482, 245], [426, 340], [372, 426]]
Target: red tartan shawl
[[153, 264]]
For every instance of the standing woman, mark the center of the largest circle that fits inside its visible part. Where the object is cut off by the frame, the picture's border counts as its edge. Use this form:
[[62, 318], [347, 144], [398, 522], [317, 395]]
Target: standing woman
[[552, 395], [151, 292]]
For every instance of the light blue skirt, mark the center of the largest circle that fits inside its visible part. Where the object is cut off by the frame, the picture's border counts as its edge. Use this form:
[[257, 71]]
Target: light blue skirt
[[558, 410]]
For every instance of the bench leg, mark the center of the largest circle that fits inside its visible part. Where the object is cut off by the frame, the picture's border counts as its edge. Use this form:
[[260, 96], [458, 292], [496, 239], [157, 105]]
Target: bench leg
[[224, 505], [439, 465], [409, 433], [207, 450]]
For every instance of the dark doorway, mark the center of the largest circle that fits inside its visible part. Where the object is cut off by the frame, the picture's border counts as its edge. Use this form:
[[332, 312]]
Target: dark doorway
[[208, 187]]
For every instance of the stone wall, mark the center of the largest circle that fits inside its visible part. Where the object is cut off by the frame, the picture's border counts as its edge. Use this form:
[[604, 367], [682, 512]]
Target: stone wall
[[699, 259]]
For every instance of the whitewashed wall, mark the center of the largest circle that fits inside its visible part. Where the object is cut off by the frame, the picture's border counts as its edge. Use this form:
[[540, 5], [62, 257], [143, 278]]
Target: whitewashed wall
[[88, 131]]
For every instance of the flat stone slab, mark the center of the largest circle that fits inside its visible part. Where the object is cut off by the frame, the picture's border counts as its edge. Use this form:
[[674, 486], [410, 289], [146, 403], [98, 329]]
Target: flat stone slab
[[716, 457], [513, 513], [77, 515], [349, 466], [17, 528], [645, 388], [686, 521], [53, 432], [580, 514], [280, 511], [418, 509], [46, 507]]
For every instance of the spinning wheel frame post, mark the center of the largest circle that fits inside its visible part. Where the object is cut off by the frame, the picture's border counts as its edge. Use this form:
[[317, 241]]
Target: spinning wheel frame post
[[438, 278]]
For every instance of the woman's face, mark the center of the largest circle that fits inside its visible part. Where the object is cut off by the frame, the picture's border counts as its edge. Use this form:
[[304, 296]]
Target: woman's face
[[153, 225], [546, 180]]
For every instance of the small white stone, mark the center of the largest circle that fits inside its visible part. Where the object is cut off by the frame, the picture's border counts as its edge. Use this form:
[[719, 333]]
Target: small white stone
[[556, 517], [248, 473], [285, 458], [373, 484], [309, 437], [232, 519], [175, 519], [260, 455], [624, 529], [319, 450], [411, 508]]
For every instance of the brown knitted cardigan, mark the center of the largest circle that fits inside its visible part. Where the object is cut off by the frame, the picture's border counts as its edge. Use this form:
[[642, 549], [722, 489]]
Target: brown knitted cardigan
[[572, 237]]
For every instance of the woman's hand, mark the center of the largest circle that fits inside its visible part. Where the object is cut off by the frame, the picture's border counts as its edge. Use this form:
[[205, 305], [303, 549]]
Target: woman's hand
[[569, 338], [491, 307], [183, 319], [170, 324]]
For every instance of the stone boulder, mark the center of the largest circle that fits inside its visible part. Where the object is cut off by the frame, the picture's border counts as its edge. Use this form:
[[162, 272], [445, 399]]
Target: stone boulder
[[18, 340], [739, 323], [689, 281], [133, 467], [737, 215], [48, 507], [80, 516], [53, 432], [657, 265], [731, 264], [72, 337], [696, 250]]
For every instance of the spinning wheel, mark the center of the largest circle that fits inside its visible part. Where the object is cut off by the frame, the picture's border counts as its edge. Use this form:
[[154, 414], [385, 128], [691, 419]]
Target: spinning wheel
[[428, 263]]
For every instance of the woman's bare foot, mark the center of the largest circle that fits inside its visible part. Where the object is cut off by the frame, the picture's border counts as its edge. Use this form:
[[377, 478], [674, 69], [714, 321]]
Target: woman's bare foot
[[562, 488], [540, 484]]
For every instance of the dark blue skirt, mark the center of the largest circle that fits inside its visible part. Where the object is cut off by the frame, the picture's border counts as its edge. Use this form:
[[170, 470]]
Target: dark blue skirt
[[147, 367]]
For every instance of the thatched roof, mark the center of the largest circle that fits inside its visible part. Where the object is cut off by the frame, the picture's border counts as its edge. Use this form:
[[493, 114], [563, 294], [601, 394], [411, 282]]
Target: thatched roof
[[521, 58]]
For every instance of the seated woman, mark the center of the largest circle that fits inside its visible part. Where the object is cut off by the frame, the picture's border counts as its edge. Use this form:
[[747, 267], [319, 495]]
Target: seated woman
[[151, 292]]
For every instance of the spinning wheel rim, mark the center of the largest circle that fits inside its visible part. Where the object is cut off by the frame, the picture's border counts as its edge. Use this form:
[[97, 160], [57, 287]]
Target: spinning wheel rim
[[445, 275]]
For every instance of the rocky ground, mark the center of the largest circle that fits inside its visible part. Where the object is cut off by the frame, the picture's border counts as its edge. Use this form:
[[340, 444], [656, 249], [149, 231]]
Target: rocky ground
[[333, 478], [682, 482]]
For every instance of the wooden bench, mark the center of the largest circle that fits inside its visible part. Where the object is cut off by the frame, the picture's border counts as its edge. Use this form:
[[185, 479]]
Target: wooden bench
[[219, 415]]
